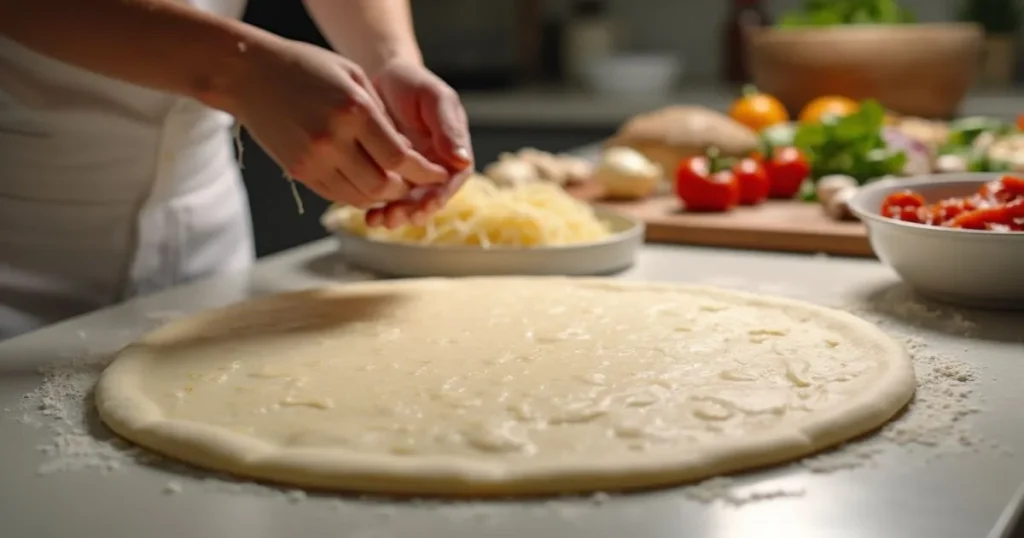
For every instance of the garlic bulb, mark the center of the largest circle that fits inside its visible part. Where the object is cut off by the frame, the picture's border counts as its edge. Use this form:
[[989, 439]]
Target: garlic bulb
[[626, 174]]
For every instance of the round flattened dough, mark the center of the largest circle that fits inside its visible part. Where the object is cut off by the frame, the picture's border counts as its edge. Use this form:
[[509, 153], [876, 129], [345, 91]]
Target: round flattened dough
[[503, 386]]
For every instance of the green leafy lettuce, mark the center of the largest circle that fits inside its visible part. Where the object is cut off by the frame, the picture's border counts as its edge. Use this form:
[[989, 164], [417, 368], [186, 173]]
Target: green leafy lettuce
[[817, 13]]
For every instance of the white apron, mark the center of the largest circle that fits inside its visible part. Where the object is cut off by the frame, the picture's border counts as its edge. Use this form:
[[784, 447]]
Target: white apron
[[109, 190]]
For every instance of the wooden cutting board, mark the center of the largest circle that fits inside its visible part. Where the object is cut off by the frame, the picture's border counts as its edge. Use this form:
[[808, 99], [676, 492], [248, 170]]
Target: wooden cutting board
[[776, 225]]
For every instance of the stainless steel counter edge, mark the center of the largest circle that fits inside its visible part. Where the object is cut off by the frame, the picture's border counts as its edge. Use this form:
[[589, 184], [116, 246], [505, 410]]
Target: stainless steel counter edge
[[901, 493]]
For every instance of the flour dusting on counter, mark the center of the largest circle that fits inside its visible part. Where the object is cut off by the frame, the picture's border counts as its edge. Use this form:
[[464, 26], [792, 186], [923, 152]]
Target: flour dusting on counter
[[935, 424], [936, 418], [730, 491]]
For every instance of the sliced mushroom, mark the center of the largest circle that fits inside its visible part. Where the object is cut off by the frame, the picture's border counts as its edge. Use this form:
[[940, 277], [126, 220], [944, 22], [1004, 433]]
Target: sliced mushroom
[[577, 170], [510, 171], [548, 166]]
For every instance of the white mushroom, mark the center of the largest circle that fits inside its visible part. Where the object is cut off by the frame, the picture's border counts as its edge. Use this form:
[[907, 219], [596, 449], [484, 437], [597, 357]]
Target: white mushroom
[[838, 206], [626, 174], [947, 164], [549, 167], [828, 186]]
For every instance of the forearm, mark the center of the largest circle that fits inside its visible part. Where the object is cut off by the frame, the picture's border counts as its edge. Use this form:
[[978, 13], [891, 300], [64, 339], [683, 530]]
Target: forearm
[[368, 32], [154, 43]]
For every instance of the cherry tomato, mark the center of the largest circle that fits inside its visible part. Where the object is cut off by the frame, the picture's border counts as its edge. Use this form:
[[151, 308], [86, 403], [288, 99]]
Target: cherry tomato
[[1015, 210], [753, 180], [945, 210], [787, 170], [1013, 187], [906, 206], [1020, 122], [999, 216], [829, 105], [1005, 189], [997, 206], [758, 110], [700, 188]]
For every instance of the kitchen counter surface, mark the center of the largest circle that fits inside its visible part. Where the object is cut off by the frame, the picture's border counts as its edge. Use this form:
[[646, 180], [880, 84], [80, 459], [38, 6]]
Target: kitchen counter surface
[[59, 481], [576, 109]]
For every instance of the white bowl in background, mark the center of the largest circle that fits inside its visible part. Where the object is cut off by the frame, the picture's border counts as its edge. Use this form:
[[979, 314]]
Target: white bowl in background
[[633, 74], [966, 267]]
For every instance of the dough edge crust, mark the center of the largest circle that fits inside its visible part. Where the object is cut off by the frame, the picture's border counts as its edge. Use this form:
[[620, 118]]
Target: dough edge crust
[[130, 414]]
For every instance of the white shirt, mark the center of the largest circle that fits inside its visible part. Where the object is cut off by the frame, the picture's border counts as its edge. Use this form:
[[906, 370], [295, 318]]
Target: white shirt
[[109, 190]]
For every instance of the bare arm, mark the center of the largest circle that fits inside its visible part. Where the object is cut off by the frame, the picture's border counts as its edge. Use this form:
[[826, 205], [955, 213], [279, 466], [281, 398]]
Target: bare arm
[[369, 32], [153, 43]]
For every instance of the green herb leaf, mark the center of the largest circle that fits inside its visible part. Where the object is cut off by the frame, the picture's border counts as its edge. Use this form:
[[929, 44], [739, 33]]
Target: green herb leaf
[[807, 192], [852, 145]]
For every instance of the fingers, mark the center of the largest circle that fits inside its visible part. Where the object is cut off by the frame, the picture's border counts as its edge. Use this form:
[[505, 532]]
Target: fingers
[[371, 161], [319, 188], [337, 188], [414, 208], [453, 186], [418, 205], [394, 214], [392, 152], [360, 78], [330, 175], [443, 114], [366, 176], [343, 190], [439, 196]]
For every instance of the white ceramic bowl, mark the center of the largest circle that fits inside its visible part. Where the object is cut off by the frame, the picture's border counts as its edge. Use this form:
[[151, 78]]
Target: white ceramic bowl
[[966, 267], [633, 74]]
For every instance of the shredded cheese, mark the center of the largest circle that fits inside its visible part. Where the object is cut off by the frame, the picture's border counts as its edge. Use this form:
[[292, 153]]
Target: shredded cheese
[[295, 195], [485, 215]]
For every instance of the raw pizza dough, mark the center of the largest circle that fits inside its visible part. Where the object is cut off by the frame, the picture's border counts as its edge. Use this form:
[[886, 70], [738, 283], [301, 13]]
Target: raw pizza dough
[[503, 386]]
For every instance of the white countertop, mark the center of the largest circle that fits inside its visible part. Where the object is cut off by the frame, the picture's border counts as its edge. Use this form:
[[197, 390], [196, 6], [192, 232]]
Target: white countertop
[[899, 492], [566, 108]]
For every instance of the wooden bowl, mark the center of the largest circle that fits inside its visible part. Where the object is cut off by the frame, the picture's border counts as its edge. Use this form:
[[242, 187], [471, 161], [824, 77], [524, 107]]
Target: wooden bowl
[[916, 69]]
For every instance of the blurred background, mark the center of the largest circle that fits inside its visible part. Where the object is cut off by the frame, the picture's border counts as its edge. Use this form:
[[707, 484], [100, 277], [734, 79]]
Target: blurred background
[[559, 74]]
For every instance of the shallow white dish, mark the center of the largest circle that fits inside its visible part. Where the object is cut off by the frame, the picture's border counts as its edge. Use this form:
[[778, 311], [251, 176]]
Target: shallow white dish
[[966, 267], [613, 254], [625, 75]]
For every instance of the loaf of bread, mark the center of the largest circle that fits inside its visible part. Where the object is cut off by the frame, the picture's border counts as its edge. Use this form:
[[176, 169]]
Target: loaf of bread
[[670, 134]]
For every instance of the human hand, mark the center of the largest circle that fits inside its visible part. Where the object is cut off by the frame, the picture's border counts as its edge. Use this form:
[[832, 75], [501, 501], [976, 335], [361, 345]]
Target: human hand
[[431, 116], [320, 118]]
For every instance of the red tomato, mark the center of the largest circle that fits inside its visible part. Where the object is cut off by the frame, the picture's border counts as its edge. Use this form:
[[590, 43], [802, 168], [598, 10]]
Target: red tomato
[[997, 206], [1020, 122], [1012, 187], [753, 180], [1002, 216], [701, 189], [787, 169], [904, 205], [948, 209]]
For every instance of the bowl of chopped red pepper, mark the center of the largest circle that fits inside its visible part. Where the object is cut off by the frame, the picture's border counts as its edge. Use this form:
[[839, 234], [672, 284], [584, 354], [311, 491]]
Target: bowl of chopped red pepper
[[956, 238]]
